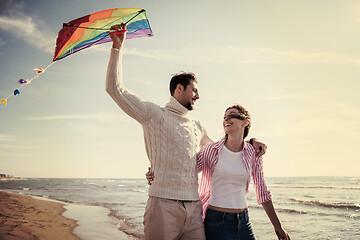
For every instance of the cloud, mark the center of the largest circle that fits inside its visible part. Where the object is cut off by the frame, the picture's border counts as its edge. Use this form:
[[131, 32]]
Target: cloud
[[323, 114], [155, 54], [355, 123], [8, 137], [88, 124], [9, 141], [239, 55], [58, 117], [167, 55], [19, 146], [341, 110], [25, 28], [296, 95], [102, 117], [353, 61]]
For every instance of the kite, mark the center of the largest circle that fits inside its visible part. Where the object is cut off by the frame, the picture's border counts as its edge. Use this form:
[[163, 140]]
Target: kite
[[94, 29], [90, 30]]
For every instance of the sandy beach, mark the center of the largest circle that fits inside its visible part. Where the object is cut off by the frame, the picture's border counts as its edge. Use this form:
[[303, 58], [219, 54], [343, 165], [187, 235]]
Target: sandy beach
[[22, 217]]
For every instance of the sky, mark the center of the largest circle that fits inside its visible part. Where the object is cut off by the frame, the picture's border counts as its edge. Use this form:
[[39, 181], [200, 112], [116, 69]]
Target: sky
[[295, 66]]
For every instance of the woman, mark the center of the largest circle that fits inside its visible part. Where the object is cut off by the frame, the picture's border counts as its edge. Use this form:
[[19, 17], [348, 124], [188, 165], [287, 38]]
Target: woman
[[226, 168]]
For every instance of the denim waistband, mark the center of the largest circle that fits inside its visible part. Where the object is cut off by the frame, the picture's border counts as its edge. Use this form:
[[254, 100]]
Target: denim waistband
[[225, 215]]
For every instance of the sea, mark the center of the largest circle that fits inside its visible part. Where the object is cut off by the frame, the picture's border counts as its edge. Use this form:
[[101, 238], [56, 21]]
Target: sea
[[308, 207]]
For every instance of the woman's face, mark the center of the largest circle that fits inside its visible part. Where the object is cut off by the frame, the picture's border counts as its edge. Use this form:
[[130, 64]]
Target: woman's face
[[234, 122]]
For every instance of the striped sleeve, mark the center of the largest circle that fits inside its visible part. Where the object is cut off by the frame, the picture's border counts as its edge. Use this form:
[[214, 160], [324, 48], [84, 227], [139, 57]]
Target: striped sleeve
[[262, 192], [127, 101], [204, 186], [208, 156]]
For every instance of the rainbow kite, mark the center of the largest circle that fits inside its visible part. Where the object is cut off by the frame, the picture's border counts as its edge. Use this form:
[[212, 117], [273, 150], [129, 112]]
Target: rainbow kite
[[90, 30], [94, 29]]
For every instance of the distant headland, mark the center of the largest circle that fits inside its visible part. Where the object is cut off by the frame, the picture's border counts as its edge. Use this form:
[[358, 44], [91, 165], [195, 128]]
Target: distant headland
[[7, 176]]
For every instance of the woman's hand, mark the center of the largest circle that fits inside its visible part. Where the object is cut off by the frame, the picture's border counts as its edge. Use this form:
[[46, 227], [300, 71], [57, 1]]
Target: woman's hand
[[281, 234], [270, 211], [150, 176]]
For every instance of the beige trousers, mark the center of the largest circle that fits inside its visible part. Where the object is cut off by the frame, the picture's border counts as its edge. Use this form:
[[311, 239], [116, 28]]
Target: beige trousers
[[166, 219]]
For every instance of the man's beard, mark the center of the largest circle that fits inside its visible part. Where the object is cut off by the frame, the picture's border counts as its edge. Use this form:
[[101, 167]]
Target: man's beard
[[189, 107]]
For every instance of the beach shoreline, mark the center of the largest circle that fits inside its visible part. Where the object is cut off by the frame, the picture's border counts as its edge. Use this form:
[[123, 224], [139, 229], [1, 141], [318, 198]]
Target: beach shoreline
[[23, 217], [107, 209]]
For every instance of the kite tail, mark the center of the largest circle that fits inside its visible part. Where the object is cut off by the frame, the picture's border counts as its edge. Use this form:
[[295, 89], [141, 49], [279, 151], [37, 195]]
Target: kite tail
[[24, 82]]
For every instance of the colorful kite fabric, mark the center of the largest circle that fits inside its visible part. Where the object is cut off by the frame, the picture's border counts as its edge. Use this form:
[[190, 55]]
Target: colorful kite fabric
[[94, 29]]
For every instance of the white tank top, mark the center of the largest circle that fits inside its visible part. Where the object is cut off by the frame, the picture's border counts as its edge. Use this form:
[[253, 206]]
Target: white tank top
[[229, 181]]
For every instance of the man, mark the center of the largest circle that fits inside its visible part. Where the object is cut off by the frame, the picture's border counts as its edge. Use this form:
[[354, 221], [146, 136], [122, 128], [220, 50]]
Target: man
[[172, 139]]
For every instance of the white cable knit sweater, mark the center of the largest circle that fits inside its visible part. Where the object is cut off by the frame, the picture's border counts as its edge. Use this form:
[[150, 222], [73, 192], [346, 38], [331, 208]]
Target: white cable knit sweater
[[172, 139]]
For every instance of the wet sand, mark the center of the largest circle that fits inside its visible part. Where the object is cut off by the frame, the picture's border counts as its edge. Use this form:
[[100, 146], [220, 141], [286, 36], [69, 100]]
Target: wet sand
[[22, 217]]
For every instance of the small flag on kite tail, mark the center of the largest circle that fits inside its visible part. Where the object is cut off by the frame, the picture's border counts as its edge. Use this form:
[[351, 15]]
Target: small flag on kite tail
[[90, 30]]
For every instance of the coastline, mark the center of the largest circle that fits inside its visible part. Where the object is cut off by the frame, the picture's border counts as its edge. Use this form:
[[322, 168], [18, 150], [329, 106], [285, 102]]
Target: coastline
[[108, 209], [23, 217], [10, 178]]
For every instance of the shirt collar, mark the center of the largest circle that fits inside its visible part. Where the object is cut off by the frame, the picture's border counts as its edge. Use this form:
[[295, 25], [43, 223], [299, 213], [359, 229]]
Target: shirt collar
[[246, 146], [219, 145], [176, 107]]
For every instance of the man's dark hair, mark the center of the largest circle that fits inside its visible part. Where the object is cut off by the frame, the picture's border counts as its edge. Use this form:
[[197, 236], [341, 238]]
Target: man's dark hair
[[183, 78]]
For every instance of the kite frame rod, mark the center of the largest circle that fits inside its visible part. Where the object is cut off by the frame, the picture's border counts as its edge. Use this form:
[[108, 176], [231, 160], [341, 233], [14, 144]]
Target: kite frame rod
[[69, 25]]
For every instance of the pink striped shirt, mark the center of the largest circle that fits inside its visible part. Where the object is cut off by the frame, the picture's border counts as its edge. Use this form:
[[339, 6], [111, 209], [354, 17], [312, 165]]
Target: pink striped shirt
[[207, 159]]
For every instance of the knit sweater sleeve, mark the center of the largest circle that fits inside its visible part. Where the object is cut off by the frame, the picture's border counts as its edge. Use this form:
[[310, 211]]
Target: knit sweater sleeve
[[127, 101], [205, 139]]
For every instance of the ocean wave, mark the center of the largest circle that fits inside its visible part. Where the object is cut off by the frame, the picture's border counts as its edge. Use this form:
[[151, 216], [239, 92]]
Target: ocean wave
[[94, 184], [128, 180], [319, 187], [126, 226], [108, 205], [340, 205], [58, 199], [278, 209], [286, 210], [46, 197], [354, 217], [138, 190], [309, 196]]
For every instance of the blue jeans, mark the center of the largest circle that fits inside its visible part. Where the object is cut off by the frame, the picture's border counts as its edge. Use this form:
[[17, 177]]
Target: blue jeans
[[227, 226]]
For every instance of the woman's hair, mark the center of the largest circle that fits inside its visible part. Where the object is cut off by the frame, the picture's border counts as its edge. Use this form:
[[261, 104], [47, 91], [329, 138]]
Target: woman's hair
[[244, 114]]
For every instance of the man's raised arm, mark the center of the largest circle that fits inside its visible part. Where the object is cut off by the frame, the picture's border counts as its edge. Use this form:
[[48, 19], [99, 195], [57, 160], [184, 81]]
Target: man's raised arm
[[126, 100]]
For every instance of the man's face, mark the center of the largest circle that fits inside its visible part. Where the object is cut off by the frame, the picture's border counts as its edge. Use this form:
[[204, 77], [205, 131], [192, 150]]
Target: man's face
[[189, 96]]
